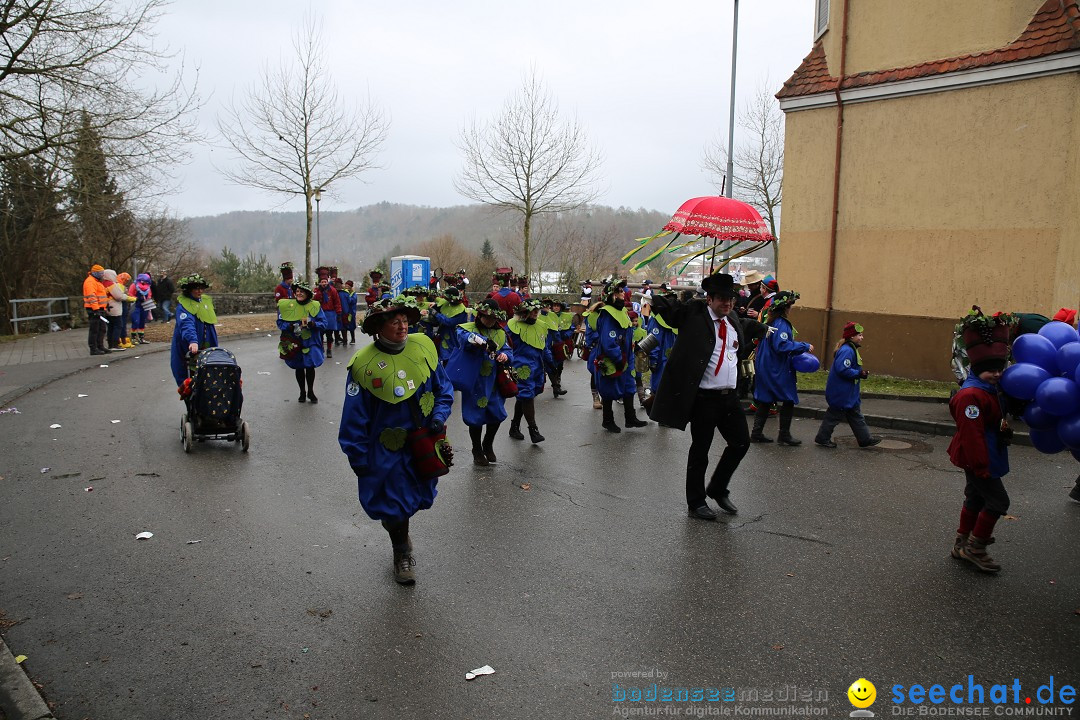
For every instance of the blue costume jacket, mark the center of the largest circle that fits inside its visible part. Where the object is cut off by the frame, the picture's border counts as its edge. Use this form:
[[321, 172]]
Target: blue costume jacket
[[977, 445], [774, 380], [446, 333], [614, 359], [311, 353], [473, 373], [659, 355], [529, 360], [348, 308], [373, 428], [842, 387], [189, 329]]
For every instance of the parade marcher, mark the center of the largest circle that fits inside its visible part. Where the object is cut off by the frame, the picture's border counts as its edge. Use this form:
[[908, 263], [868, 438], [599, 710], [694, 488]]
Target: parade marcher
[[532, 351], [665, 336], [774, 376], [980, 445], [301, 322], [114, 307], [752, 303], [140, 309], [481, 347], [339, 287], [698, 387], [592, 339], [842, 391], [521, 283], [504, 295], [375, 292], [95, 300], [284, 289], [614, 358], [449, 312], [397, 399], [328, 299], [641, 357], [559, 333], [349, 301], [165, 290], [195, 325], [125, 282], [586, 293]]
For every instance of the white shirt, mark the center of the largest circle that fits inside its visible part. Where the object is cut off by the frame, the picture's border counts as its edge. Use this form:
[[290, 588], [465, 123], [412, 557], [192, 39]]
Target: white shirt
[[729, 371]]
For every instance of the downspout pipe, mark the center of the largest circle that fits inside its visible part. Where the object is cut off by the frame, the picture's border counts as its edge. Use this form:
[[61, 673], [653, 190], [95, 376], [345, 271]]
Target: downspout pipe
[[826, 322]]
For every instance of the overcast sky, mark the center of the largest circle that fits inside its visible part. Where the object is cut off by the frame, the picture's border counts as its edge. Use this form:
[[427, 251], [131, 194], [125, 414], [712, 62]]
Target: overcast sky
[[648, 80]]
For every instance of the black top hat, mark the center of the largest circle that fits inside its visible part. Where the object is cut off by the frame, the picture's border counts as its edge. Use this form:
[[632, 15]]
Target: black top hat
[[720, 285]]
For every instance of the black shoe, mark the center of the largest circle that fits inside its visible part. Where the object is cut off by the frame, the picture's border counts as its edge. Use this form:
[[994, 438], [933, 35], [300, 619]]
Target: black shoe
[[634, 422], [871, 442], [789, 441], [702, 513], [760, 439], [727, 506], [489, 454], [479, 458], [97, 352], [312, 399], [826, 444], [302, 398], [535, 436], [515, 433], [610, 426]]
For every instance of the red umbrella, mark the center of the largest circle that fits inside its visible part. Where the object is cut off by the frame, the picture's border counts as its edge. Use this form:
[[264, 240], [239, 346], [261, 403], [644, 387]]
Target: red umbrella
[[727, 222]]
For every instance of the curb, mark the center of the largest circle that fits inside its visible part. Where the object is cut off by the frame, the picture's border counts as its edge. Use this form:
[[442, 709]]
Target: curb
[[19, 699], [926, 427], [887, 396], [14, 395]]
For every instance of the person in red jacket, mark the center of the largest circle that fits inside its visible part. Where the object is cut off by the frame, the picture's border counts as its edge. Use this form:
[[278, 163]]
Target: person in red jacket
[[328, 299], [980, 445], [284, 289], [374, 292]]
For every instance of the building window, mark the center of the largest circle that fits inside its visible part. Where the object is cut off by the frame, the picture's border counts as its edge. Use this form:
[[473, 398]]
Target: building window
[[821, 18]]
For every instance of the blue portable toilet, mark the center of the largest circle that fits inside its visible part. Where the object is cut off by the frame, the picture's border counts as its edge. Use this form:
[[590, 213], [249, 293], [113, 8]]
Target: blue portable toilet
[[408, 271]]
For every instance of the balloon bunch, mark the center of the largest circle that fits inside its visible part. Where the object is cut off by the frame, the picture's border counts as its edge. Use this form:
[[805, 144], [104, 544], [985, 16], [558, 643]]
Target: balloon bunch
[[1046, 372]]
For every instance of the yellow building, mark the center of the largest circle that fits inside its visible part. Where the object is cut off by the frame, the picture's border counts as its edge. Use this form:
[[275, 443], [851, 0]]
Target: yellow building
[[932, 162]]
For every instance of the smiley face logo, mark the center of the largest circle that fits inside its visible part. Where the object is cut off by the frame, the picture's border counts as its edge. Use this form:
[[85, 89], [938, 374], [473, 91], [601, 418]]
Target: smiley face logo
[[862, 693]]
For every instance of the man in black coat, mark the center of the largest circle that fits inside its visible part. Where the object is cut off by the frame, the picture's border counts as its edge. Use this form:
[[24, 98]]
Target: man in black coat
[[699, 387]]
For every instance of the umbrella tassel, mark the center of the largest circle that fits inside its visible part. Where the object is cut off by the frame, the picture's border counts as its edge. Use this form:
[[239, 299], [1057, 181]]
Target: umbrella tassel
[[655, 254], [642, 243]]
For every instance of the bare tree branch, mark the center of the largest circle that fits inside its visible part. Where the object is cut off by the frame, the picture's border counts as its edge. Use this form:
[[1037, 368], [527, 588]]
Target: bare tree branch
[[528, 161], [292, 134]]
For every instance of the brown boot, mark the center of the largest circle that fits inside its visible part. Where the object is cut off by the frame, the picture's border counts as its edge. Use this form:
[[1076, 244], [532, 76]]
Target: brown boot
[[403, 568], [975, 553], [596, 404], [958, 545]]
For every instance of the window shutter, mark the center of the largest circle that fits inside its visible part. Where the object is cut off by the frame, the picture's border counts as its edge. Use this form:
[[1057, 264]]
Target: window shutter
[[821, 21]]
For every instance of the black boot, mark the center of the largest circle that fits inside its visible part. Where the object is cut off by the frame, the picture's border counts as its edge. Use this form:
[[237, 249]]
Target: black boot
[[515, 424], [629, 416], [609, 417], [311, 386], [300, 382], [529, 409], [489, 443], [787, 411], [477, 450], [761, 416]]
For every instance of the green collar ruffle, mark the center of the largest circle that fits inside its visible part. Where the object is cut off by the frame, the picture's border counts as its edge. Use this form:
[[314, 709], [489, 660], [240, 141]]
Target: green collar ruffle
[[663, 324], [452, 311], [496, 333], [394, 378], [620, 316], [202, 308], [534, 335], [292, 311]]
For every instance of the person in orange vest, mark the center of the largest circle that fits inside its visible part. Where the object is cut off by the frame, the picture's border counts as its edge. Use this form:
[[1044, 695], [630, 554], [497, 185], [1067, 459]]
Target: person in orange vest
[[95, 300]]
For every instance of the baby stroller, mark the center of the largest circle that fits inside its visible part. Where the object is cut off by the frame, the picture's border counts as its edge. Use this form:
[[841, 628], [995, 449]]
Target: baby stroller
[[214, 402]]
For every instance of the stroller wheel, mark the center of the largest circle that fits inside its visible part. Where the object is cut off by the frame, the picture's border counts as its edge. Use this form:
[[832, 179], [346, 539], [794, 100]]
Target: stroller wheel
[[246, 432], [187, 436], [183, 422]]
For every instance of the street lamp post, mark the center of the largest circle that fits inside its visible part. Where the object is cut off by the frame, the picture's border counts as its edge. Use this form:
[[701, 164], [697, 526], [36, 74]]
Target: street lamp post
[[729, 180], [318, 235]]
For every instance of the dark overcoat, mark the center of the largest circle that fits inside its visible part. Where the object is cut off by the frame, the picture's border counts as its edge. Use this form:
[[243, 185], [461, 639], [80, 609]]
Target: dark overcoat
[[691, 354]]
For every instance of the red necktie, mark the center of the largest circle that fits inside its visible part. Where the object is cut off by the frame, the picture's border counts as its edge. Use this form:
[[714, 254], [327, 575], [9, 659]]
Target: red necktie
[[722, 334]]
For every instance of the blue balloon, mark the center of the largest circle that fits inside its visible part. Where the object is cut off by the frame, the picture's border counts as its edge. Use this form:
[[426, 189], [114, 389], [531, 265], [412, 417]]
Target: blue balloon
[[1069, 432], [1038, 419], [1068, 358], [1059, 333], [1023, 379], [1058, 396], [805, 363], [1046, 441], [1037, 350]]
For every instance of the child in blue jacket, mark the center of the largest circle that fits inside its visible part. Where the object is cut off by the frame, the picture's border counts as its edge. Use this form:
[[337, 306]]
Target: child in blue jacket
[[842, 391]]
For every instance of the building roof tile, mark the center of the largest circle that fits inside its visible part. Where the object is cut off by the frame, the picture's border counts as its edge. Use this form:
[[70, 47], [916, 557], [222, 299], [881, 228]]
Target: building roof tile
[[1055, 28]]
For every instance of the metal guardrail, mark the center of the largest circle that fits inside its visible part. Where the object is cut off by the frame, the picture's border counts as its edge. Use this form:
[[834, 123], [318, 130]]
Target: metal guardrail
[[49, 314]]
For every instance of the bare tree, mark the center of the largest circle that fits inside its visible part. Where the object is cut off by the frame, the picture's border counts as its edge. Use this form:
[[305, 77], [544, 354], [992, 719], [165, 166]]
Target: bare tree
[[528, 161], [60, 59], [447, 253], [759, 161], [293, 134]]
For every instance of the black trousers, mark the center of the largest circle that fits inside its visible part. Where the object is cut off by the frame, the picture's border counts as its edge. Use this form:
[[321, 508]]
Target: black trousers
[[985, 494], [714, 410]]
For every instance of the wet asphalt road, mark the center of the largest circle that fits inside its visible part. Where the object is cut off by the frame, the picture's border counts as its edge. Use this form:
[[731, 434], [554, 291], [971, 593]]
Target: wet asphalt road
[[836, 567]]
